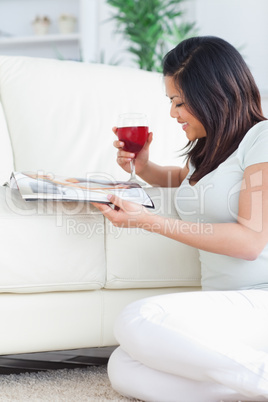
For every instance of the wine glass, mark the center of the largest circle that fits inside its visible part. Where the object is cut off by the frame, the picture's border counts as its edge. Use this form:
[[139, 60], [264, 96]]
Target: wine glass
[[132, 129]]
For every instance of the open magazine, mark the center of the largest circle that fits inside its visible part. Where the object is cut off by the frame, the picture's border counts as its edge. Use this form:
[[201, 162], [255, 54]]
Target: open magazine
[[37, 186]]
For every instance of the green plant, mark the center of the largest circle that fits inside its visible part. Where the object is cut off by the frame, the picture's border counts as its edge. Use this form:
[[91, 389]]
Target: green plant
[[151, 26]]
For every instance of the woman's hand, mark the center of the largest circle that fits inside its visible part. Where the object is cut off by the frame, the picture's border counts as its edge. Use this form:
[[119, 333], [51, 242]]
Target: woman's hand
[[126, 214], [124, 158]]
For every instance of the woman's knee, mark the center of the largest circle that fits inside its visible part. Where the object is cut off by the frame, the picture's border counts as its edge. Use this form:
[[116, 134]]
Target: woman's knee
[[124, 374]]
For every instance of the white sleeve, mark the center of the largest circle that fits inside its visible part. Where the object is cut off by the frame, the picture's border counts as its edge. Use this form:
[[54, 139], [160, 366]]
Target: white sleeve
[[256, 148]]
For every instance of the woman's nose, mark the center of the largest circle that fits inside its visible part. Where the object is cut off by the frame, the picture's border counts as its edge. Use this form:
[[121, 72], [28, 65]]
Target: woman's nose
[[173, 112]]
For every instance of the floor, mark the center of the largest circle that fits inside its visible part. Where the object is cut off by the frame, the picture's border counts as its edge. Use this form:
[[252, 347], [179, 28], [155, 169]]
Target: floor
[[32, 362]]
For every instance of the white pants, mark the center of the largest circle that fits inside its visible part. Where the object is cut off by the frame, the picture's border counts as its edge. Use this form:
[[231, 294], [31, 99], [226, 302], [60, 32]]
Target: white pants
[[193, 347]]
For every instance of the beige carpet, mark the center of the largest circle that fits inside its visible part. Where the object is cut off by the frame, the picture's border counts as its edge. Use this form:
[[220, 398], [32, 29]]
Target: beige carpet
[[77, 385]]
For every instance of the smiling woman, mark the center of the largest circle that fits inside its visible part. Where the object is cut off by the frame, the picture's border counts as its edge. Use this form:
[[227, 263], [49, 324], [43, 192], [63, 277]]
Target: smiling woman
[[179, 110], [204, 346]]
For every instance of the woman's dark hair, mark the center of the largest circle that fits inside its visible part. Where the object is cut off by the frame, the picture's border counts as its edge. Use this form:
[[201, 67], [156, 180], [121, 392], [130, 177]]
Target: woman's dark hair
[[220, 91]]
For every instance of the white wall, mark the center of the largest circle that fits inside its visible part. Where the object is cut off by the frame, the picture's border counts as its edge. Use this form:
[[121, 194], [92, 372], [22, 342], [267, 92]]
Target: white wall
[[244, 23]]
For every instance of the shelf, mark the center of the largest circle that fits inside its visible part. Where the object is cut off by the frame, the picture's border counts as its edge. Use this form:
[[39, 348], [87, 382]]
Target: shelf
[[14, 40]]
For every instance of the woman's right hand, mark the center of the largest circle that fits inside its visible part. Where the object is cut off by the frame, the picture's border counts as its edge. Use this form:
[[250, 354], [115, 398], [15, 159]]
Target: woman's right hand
[[124, 157]]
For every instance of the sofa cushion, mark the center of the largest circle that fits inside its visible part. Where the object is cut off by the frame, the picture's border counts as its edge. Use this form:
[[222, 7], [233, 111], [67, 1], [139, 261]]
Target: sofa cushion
[[140, 259], [49, 246]]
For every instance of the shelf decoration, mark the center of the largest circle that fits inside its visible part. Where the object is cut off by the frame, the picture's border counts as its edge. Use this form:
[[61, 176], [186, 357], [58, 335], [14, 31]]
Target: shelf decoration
[[41, 25], [66, 23]]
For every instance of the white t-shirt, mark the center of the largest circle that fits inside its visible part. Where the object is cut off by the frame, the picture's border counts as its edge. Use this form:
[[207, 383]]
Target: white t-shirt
[[214, 199]]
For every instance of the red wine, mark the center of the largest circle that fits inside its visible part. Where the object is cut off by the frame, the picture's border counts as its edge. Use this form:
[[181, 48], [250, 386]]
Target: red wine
[[134, 137]]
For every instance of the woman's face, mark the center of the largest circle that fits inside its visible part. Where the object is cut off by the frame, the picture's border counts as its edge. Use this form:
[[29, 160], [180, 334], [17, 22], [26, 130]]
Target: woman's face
[[192, 127]]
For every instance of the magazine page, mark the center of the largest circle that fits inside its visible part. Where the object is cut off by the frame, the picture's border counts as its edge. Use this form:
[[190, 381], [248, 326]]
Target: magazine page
[[37, 186]]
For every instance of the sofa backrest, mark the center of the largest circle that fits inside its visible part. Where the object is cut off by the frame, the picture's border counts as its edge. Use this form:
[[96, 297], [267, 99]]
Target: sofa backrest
[[59, 115]]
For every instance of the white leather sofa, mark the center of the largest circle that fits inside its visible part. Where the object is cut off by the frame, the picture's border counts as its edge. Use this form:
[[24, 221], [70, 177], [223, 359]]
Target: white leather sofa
[[66, 272]]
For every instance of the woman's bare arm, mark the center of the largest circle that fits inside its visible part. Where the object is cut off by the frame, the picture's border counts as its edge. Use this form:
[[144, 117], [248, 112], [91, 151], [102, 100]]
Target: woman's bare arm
[[163, 176]]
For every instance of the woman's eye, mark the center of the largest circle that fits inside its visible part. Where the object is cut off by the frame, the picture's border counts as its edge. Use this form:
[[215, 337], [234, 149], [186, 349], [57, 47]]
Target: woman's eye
[[179, 104]]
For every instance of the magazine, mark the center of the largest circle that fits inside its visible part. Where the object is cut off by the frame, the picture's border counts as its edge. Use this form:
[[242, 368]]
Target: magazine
[[40, 186]]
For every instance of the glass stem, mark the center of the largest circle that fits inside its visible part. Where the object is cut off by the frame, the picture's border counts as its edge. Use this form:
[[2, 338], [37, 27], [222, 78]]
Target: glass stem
[[133, 171]]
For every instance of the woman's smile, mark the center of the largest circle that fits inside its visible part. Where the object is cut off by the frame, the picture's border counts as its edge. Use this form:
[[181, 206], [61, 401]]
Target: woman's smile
[[184, 126]]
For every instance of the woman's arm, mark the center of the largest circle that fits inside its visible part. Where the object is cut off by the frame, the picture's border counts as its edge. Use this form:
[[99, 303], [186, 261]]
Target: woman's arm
[[163, 176], [244, 239]]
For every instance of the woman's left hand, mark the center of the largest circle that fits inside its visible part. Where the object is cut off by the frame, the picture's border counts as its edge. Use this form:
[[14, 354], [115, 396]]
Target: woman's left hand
[[126, 214]]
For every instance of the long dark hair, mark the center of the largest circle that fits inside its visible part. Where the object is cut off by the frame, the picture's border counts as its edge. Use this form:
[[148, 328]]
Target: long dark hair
[[220, 91]]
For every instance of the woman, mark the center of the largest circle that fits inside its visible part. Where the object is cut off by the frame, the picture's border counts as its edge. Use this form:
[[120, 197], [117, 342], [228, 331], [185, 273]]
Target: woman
[[212, 345]]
